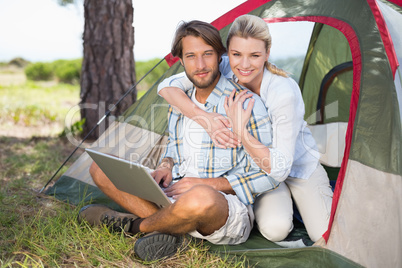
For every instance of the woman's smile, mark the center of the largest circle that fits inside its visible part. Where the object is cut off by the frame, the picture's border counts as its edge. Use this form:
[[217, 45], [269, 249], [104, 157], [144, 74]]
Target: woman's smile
[[245, 72], [247, 57]]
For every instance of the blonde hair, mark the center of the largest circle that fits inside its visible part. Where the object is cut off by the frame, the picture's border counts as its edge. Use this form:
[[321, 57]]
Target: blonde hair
[[252, 26]]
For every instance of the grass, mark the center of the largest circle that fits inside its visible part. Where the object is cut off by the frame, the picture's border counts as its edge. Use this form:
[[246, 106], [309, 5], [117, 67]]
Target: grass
[[26, 103], [39, 231], [40, 106], [44, 105]]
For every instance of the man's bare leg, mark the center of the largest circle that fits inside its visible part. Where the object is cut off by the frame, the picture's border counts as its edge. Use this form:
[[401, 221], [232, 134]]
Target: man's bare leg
[[133, 204], [201, 208]]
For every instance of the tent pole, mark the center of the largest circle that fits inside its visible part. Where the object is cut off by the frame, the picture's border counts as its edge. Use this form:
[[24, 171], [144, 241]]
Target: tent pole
[[99, 122]]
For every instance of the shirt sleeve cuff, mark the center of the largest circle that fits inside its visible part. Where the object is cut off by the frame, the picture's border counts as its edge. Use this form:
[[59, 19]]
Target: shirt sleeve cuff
[[163, 84], [242, 193], [178, 80], [280, 165]]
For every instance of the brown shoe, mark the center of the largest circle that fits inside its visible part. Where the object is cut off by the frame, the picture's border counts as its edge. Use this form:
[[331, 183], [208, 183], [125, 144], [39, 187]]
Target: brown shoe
[[97, 215]]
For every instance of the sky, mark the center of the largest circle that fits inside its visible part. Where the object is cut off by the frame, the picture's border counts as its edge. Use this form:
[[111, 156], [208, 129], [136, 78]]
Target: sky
[[42, 30]]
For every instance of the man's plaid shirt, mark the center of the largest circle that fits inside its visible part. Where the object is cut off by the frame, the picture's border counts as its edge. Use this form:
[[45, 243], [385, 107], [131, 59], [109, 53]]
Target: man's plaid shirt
[[244, 175]]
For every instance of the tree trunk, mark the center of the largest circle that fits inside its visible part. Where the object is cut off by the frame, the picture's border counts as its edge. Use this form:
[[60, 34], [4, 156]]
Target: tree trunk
[[108, 68]]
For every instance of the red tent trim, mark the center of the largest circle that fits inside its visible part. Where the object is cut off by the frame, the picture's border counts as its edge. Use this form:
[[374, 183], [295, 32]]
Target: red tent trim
[[228, 18], [241, 9], [170, 60], [396, 2], [353, 41], [385, 35]]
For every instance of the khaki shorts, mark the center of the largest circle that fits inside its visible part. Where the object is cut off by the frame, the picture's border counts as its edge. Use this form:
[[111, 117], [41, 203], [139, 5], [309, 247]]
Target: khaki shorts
[[237, 227]]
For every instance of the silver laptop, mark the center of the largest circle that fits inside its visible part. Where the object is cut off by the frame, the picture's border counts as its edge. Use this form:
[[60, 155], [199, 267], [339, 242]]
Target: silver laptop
[[130, 177]]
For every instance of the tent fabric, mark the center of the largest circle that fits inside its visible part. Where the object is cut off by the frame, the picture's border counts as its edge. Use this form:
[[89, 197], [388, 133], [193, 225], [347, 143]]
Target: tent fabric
[[260, 252], [331, 81], [328, 48], [151, 112], [361, 131], [123, 140], [385, 35], [330, 139], [377, 229], [393, 20]]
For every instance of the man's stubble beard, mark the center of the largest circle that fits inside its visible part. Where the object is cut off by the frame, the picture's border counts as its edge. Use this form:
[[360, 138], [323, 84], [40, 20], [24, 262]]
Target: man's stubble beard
[[207, 83]]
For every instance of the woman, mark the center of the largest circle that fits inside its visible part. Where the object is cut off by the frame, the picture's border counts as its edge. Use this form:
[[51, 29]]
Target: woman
[[293, 158]]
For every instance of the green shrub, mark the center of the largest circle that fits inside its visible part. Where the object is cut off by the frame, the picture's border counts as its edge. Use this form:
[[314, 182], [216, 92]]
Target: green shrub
[[75, 129], [39, 71], [67, 71]]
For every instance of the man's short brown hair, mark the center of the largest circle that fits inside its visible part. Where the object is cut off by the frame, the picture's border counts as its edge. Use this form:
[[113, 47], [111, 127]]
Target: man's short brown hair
[[198, 29]]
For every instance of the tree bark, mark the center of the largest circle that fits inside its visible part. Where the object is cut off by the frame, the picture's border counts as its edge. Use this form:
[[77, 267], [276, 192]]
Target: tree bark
[[108, 68]]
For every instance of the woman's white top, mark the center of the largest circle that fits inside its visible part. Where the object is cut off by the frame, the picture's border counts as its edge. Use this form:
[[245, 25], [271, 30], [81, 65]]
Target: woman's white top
[[294, 151]]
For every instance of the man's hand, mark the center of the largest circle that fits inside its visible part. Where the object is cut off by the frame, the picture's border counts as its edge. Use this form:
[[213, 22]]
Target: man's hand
[[186, 183], [182, 186], [163, 173]]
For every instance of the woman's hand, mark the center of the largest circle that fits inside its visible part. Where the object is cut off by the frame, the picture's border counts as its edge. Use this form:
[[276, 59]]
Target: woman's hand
[[237, 115], [217, 126]]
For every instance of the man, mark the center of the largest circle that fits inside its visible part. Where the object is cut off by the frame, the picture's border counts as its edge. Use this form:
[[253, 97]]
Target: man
[[217, 186]]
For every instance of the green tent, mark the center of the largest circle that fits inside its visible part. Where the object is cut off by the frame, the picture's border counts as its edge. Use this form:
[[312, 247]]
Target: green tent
[[351, 85]]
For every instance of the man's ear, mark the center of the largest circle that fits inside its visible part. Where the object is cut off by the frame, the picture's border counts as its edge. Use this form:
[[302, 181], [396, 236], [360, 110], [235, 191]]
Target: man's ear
[[181, 62]]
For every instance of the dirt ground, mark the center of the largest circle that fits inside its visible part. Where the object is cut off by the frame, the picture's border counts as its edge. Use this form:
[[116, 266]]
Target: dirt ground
[[21, 131], [11, 75]]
